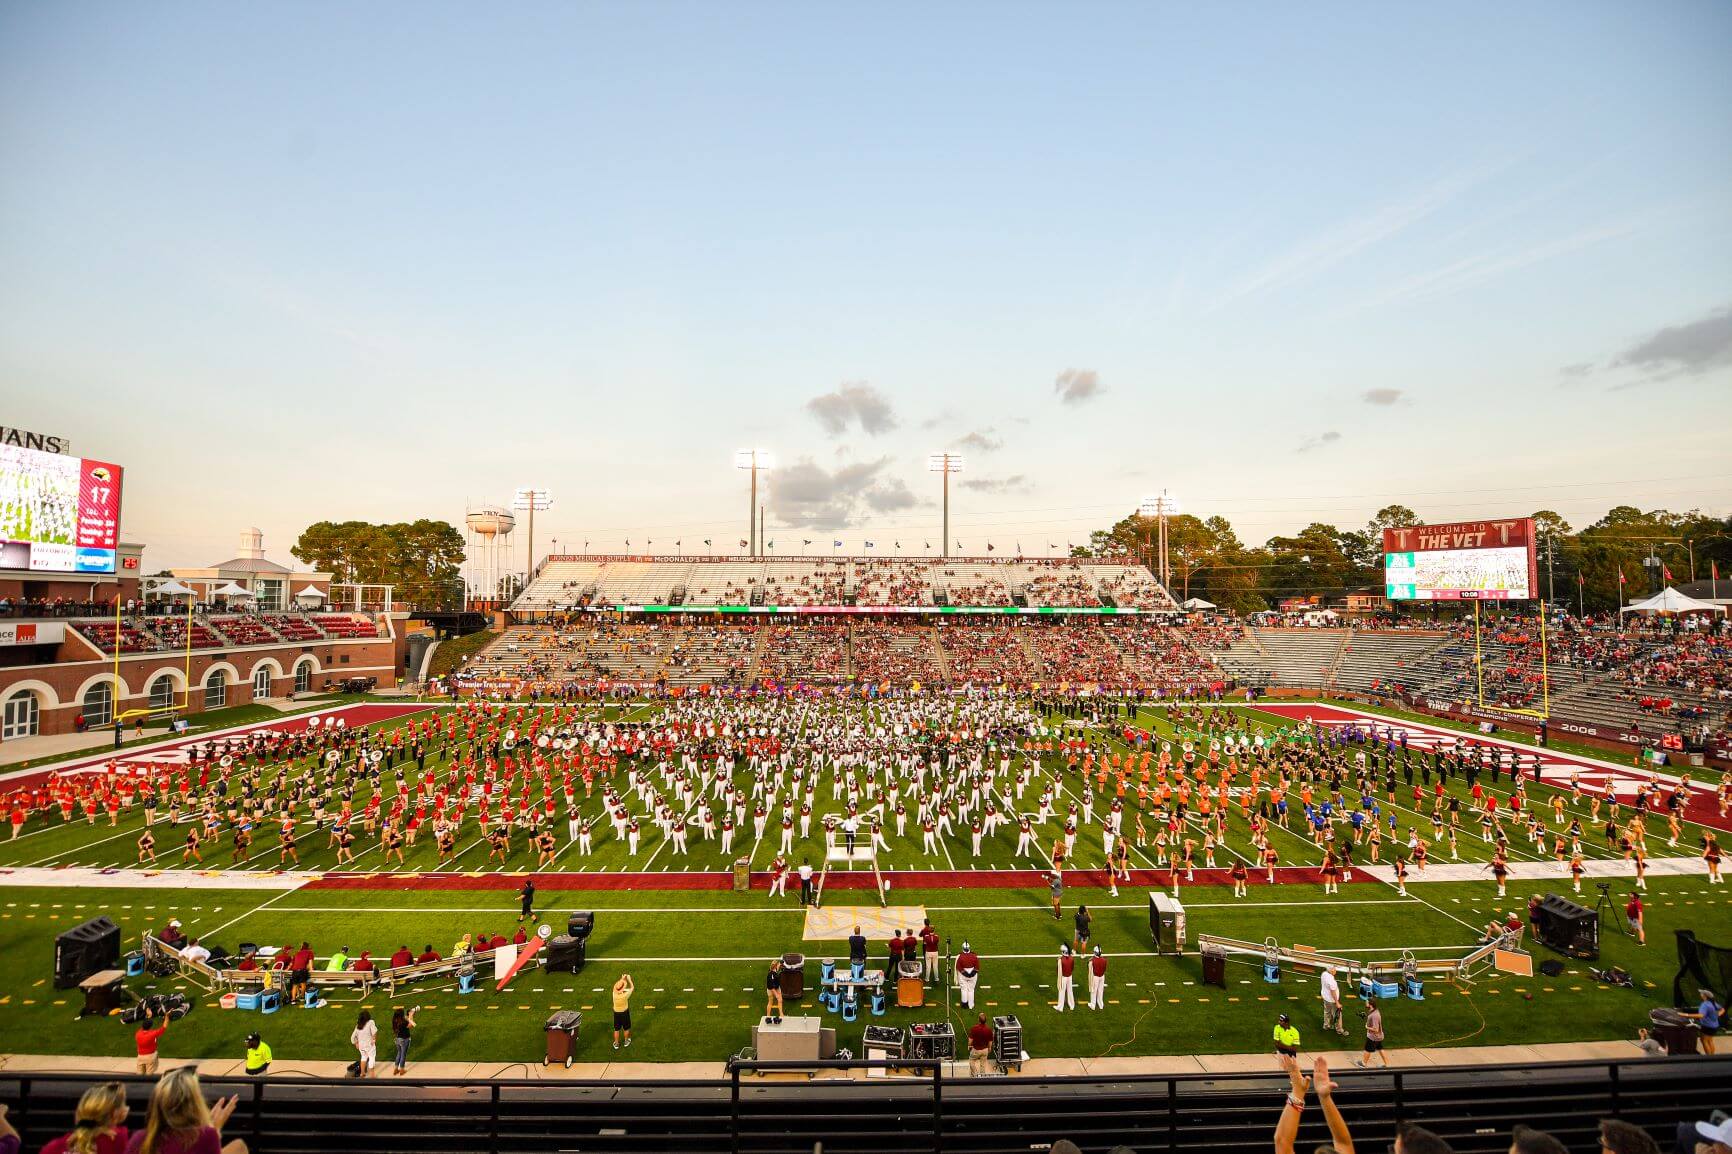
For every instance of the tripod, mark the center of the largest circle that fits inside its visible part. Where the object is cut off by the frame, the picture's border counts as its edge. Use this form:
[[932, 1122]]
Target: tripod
[[1605, 904]]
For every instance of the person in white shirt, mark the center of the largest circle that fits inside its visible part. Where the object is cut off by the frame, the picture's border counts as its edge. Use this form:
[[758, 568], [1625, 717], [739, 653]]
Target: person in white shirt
[[1332, 1019], [365, 1038], [193, 952]]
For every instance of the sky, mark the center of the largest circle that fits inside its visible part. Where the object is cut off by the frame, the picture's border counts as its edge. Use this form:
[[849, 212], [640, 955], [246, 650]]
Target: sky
[[294, 262]]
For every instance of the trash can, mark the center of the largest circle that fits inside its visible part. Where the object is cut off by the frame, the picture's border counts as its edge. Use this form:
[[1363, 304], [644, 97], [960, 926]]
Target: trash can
[[565, 954], [561, 1029], [793, 977], [1214, 967], [1672, 1030], [742, 875]]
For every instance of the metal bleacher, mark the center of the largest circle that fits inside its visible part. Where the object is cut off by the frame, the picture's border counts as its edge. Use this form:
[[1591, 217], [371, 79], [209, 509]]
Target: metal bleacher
[[751, 1111]]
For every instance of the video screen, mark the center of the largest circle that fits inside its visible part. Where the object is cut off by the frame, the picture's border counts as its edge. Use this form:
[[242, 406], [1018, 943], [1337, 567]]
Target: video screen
[[58, 513], [1458, 575]]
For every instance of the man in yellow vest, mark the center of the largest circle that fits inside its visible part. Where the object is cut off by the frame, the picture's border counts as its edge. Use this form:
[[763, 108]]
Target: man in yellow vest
[[1286, 1040], [258, 1055]]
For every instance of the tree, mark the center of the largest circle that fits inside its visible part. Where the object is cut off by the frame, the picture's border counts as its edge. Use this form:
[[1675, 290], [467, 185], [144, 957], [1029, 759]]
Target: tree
[[420, 559]]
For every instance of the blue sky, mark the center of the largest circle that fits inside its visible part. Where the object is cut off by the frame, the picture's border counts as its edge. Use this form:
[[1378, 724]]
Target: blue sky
[[295, 261]]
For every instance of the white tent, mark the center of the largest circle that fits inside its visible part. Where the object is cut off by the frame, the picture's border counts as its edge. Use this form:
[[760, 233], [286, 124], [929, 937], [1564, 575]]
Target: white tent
[[309, 594], [232, 590], [1196, 603], [172, 589], [1669, 600]]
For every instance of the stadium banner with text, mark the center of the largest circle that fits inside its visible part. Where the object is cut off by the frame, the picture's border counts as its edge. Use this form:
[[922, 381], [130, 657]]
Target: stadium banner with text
[[862, 610], [1461, 561], [58, 513]]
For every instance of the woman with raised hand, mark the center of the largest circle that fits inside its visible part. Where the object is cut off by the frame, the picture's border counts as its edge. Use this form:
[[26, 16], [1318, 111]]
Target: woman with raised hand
[[179, 1121]]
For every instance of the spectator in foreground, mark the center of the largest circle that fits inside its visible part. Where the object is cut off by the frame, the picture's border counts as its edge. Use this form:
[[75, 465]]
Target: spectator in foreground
[[1527, 1140], [1288, 1128], [1618, 1137], [99, 1123], [9, 1140], [1710, 1137], [179, 1122]]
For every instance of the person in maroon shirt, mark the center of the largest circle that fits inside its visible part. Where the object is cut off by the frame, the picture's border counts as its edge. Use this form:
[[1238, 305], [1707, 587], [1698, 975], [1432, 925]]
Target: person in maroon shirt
[[300, 972], [429, 954], [519, 937], [497, 941], [895, 952], [967, 974], [402, 958], [929, 946], [363, 964], [101, 1123], [979, 1046]]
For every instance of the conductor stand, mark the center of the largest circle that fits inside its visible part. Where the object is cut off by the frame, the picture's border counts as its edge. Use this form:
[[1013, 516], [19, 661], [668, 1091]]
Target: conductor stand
[[1605, 904], [837, 852]]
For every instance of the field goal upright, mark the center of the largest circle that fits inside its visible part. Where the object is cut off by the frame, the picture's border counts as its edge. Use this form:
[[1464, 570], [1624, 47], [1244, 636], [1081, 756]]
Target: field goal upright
[[1545, 709], [865, 852]]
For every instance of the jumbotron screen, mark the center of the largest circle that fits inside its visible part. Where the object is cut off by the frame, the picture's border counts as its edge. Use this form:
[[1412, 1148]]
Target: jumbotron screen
[[58, 513], [1462, 561]]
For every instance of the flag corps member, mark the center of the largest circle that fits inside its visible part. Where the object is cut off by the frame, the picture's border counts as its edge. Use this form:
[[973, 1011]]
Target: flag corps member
[[967, 974]]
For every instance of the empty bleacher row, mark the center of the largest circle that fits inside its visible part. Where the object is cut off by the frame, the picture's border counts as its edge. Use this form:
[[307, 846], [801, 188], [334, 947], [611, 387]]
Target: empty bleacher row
[[169, 632], [570, 582]]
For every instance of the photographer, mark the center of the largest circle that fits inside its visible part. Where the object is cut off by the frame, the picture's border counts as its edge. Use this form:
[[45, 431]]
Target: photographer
[[403, 1033]]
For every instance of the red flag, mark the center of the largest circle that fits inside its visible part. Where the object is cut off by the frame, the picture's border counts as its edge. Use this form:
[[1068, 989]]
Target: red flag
[[1581, 579], [1620, 574], [1666, 571], [1714, 566]]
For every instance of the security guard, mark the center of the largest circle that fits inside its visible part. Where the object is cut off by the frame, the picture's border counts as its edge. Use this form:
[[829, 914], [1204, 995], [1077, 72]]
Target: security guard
[[1286, 1038], [258, 1055]]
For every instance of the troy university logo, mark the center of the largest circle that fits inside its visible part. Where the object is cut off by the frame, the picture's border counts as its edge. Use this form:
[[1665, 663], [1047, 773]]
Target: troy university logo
[[1463, 535]]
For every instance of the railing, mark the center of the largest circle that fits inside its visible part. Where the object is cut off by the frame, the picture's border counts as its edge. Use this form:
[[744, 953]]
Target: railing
[[1473, 1107]]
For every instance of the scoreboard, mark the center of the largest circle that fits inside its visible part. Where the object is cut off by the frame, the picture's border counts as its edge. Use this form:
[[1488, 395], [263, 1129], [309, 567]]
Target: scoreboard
[[1461, 561], [58, 513]]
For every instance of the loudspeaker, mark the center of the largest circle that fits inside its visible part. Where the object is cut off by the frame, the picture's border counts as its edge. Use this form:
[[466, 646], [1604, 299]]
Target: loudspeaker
[[85, 950]]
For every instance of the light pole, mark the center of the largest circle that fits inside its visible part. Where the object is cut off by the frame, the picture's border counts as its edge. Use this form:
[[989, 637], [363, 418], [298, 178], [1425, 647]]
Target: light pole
[[946, 463], [1691, 543], [1160, 508], [753, 459], [535, 501]]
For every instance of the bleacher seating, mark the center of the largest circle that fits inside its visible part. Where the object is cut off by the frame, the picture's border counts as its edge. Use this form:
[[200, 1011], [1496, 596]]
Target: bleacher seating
[[346, 626]]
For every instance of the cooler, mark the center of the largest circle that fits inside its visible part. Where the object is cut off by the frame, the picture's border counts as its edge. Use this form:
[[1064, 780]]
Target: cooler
[[1166, 923]]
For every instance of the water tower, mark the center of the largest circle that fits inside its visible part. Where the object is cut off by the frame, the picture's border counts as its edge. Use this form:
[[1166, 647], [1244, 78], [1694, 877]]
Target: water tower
[[488, 529]]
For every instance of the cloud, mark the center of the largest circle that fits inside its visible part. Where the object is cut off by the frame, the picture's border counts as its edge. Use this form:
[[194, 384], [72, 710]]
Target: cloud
[[1075, 386], [890, 495], [1492, 263], [943, 418], [807, 495], [1015, 483], [980, 441], [1577, 370], [1321, 252], [1381, 396], [853, 401], [1320, 440], [1683, 350]]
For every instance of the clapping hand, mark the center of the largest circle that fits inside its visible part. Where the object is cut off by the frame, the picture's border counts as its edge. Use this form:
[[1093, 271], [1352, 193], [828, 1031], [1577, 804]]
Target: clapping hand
[[223, 1111]]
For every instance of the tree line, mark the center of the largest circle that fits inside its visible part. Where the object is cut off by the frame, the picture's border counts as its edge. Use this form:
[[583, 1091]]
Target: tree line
[[1576, 567], [422, 559]]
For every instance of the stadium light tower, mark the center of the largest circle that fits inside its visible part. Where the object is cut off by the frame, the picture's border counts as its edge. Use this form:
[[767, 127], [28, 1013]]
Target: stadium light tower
[[753, 459], [1160, 508], [534, 501], [946, 463]]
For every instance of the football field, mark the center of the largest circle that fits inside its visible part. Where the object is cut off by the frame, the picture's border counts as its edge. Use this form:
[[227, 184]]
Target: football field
[[698, 951]]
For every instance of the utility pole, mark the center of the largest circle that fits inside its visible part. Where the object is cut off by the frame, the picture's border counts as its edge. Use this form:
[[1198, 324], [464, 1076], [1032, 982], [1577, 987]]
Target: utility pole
[[753, 459], [945, 463]]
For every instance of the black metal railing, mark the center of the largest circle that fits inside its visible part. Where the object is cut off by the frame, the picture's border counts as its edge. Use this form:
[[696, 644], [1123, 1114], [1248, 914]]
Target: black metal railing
[[907, 1107]]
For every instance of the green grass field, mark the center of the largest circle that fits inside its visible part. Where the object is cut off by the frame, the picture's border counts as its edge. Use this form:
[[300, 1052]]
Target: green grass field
[[699, 957]]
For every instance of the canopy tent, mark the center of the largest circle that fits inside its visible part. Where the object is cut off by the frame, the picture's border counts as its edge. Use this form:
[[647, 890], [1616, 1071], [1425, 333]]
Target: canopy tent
[[1669, 600], [310, 594], [1196, 603], [232, 590], [172, 589]]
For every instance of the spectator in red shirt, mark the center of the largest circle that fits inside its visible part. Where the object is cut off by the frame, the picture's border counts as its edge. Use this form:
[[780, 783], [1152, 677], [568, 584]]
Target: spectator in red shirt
[[363, 964], [979, 1046], [146, 1040], [402, 958], [519, 937], [300, 972], [497, 941], [100, 1123], [248, 964], [429, 954]]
